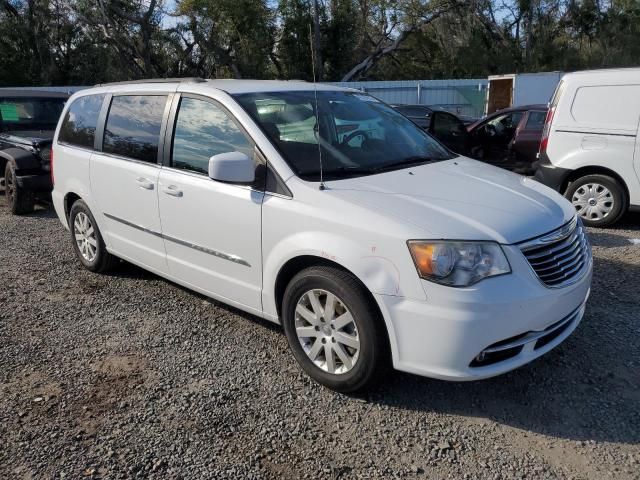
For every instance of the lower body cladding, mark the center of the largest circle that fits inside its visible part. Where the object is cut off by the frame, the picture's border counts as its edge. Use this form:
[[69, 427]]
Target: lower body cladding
[[485, 330]]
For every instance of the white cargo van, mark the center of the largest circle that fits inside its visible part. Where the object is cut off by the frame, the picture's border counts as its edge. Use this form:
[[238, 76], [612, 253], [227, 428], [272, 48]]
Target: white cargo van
[[588, 148]]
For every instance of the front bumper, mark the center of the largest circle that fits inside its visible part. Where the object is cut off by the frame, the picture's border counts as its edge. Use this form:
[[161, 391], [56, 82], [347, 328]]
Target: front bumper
[[445, 336], [35, 183]]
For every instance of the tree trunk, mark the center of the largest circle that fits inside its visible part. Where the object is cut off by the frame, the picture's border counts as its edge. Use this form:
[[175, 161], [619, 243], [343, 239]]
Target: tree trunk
[[387, 45]]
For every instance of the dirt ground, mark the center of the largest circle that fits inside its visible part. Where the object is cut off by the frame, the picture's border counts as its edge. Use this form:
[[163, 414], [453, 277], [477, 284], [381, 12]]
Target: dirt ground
[[129, 376]]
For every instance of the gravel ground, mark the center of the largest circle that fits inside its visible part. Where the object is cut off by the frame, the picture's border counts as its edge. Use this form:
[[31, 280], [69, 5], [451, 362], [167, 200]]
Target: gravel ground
[[130, 376]]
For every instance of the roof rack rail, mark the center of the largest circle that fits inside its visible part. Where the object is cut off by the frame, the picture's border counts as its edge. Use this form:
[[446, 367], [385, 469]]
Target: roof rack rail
[[155, 80]]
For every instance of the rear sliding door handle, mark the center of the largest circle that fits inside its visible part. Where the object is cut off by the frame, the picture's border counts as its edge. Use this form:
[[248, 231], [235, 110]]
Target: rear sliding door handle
[[144, 183], [173, 191]]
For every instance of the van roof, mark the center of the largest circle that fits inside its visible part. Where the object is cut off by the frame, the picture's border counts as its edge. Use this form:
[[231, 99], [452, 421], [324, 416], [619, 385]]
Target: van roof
[[633, 72], [233, 86]]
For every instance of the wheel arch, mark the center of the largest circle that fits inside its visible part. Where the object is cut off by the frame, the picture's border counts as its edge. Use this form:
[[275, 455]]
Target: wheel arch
[[295, 265], [69, 199], [21, 159], [596, 170], [298, 263]]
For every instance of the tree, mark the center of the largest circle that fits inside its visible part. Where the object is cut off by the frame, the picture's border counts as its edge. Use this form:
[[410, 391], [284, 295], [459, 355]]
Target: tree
[[387, 25], [228, 37]]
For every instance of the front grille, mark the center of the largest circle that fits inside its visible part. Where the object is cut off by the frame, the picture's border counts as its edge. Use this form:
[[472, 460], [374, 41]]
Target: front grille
[[560, 257]]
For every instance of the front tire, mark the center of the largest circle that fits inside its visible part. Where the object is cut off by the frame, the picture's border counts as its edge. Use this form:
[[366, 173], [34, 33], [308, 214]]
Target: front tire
[[333, 329], [87, 240], [598, 199], [19, 200]]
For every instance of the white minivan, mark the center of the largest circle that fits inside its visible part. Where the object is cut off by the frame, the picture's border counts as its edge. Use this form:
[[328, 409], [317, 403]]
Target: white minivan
[[324, 210], [589, 149]]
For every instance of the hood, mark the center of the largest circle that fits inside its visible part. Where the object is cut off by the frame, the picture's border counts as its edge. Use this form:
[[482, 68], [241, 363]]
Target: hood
[[461, 199], [29, 137]]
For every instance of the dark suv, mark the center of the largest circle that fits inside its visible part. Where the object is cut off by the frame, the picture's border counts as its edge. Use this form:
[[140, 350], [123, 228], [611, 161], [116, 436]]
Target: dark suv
[[28, 119]]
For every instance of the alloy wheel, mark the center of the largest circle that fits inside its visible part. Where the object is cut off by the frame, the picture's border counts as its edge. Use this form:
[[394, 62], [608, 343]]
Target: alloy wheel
[[85, 237], [327, 331]]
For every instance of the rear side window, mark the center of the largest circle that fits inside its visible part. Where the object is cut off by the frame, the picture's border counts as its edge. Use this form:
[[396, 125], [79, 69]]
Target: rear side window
[[133, 126], [445, 123], [80, 121], [536, 120], [202, 131]]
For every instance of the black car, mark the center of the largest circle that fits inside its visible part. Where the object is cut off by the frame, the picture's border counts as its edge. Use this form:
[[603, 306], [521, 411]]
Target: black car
[[28, 119], [443, 125]]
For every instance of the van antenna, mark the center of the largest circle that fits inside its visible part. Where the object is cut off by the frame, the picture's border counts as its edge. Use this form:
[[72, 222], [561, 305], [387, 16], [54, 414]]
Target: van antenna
[[315, 94]]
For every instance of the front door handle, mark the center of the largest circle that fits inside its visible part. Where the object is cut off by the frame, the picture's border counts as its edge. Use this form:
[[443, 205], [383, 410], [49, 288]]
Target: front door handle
[[144, 183], [173, 191]]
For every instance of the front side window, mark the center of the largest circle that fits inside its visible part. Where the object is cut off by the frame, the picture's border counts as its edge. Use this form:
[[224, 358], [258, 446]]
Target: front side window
[[133, 126], [353, 133], [27, 113], [503, 127], [203, 130], [80, 121]]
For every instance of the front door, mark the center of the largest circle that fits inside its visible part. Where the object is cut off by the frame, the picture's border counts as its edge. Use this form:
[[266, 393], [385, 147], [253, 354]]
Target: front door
[[450, 130], [491, 141], [211, 230], [124, 179]]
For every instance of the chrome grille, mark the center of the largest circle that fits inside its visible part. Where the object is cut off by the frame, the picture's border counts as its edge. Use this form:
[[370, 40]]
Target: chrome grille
[[561, 257]]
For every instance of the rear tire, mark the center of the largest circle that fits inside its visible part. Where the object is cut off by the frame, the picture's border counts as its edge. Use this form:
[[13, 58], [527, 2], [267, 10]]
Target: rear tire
[[344, 353], [19, 200], [599, 200], [87, 240]]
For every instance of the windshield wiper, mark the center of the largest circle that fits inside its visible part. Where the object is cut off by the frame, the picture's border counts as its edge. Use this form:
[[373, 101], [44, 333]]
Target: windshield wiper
[[346, 170], [407, 162], [355, 170]]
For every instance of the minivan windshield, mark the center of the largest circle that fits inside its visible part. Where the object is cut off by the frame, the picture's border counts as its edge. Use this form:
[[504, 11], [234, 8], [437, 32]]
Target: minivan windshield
[[30, 113], [353, 134]]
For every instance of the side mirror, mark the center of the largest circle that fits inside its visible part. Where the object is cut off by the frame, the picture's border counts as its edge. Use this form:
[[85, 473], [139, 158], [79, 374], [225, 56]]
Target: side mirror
[[232, 167]]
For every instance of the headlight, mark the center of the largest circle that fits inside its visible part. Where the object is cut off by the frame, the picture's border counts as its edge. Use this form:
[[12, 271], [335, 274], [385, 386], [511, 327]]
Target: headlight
[[458, 264]]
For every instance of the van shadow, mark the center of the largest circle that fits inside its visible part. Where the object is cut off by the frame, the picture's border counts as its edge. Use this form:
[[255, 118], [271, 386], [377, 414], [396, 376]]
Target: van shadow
[[630, 221], [130, 271], [610, 238], [587, 388]]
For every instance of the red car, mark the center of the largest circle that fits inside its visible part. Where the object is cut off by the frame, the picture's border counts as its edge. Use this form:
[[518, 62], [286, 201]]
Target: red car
[[508, 138]]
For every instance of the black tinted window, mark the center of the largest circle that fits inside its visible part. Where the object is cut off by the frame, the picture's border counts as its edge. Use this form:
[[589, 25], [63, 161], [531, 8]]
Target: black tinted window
[[414, 111], [445, 123], [27, 113], [133, 126], [79, 125], [536, 120], [203, 130]]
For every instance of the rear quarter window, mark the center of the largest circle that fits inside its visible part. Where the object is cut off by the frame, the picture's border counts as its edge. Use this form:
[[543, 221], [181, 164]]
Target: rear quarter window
[[80, 122], [615, 107]]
